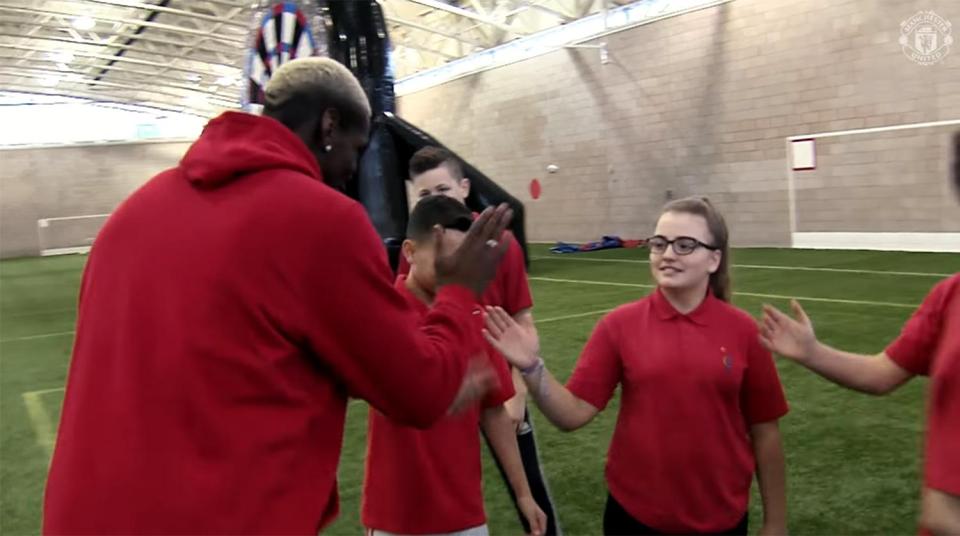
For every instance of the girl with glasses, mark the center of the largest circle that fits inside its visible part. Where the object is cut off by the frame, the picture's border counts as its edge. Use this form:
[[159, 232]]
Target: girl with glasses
[[700, 394]]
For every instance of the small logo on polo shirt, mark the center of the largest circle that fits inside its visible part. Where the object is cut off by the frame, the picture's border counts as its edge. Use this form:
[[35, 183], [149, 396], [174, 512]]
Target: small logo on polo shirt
[[727, 358]]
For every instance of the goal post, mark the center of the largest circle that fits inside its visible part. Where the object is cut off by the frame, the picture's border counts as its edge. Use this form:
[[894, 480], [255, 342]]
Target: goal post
[[68, 234], [883, 188]]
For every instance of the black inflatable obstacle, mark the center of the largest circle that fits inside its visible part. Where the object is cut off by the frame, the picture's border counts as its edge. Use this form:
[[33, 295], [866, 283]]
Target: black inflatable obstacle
[[354, 33]]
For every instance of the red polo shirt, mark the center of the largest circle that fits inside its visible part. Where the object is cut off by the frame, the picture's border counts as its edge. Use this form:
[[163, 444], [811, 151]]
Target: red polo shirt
[[930, 345], [429, 481], [680, 459], [509, 288]]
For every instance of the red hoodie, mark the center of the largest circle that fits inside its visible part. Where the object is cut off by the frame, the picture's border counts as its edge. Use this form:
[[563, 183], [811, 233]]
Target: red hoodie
[[228, 309]]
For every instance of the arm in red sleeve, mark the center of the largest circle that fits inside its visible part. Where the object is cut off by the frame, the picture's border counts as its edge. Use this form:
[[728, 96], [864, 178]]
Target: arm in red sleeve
[[914, 348], [599, 369], [360, 327], [512, 276]]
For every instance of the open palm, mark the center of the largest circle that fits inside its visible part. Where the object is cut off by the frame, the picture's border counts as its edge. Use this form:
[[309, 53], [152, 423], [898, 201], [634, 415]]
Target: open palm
[[520, 346], [793, 338]]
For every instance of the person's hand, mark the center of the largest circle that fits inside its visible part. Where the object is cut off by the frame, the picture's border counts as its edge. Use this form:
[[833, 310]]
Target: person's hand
[[533, 514], [772, 529], [520, 346], [474, 263], [790, 337], [477, 382]]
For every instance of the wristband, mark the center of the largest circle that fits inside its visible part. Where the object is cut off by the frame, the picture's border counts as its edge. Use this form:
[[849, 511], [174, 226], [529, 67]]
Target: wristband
[[536, 367]]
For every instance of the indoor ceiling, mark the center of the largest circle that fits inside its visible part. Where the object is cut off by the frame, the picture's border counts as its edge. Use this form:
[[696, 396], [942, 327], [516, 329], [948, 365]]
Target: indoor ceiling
[[187, 55]]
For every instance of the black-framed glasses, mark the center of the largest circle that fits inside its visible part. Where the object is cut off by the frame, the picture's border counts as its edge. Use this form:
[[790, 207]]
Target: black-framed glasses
[[682, 245]]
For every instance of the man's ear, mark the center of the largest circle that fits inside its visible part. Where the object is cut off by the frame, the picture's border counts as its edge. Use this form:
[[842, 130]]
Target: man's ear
[[327, 127], [465, 186]]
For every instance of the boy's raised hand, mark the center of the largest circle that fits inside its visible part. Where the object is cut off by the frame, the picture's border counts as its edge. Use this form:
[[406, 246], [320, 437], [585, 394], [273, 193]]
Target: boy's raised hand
[[519, 346]]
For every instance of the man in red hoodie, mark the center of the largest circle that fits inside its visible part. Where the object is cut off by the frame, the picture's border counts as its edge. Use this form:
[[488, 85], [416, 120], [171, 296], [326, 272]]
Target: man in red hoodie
[[228, 310]]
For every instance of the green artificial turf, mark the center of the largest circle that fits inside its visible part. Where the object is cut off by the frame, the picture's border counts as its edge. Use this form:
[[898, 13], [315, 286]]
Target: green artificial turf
[[853, 461]]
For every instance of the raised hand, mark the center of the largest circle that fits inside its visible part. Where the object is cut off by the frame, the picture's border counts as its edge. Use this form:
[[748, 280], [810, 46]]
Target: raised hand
[[474, 263], [793, 338], [520, 346]]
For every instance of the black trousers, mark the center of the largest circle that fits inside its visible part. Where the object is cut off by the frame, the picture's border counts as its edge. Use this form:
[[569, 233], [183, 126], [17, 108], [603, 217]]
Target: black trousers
[[527, 444], [617, 522]]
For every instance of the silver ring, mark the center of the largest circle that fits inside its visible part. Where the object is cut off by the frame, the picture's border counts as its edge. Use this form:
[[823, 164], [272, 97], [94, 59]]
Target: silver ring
[[492, 243]]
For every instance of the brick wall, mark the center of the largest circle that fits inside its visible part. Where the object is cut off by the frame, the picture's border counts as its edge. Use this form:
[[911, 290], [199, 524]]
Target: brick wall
[[879, 182], [71, 181], [701, 103]]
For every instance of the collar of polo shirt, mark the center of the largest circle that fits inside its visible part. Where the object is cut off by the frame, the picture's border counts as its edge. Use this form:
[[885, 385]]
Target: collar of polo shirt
[[702, 315]]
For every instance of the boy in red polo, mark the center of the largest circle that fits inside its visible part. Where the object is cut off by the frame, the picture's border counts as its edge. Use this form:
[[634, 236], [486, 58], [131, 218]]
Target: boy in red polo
[[435, 171], [429, 481], [929, 345]]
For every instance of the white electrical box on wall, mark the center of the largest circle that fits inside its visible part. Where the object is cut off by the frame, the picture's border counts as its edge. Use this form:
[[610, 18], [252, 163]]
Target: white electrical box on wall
[[804, 154]]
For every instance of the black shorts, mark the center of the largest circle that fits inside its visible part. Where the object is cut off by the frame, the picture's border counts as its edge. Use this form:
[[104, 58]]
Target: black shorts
[[618, 522]]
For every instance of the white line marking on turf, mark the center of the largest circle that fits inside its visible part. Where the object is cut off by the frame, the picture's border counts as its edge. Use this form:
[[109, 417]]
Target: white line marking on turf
[[42, 392], [38, 313], [538, 321], [40, 418], [750, 294], [761, 267], [567, 317], [41, 336], [598, 311]]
